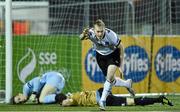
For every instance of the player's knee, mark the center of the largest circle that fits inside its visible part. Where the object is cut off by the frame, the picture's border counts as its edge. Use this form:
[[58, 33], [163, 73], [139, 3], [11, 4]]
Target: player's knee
[[110, 79]]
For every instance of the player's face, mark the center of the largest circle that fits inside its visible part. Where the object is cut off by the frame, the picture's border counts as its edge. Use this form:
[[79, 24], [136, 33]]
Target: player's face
[[20, 98], [99, 31]]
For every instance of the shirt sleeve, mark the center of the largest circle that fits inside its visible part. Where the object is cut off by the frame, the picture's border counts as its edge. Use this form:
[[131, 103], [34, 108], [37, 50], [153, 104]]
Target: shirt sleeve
[[115, 40], [36, 84], [27, 89], [91, 33]]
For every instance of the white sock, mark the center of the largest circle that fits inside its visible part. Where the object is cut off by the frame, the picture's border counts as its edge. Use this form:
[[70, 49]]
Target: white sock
[[120, 82], [106, 90]]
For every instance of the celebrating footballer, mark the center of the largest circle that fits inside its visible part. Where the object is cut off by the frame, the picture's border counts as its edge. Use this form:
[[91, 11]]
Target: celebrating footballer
[[109, 56]]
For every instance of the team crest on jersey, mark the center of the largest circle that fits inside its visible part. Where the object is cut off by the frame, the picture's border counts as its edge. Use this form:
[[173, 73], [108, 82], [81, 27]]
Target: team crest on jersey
[[92, 69], [167, 64], [106, 43]]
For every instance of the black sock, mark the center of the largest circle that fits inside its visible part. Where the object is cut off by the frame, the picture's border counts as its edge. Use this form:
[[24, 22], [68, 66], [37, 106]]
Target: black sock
[[146, 101], [115, 100]]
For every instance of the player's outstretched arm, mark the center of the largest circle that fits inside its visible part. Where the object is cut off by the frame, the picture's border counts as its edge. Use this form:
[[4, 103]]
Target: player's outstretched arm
[[84, 35]]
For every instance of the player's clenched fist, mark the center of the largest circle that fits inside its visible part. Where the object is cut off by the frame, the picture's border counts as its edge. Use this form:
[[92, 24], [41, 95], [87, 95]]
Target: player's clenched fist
[[84, 34]]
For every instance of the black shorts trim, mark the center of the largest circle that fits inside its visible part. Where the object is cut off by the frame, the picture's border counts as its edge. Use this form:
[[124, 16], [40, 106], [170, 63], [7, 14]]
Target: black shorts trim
[[118, 43]]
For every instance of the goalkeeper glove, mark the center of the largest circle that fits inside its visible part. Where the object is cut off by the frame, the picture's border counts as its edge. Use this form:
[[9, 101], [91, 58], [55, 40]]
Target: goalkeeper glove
[[69, 94], [33, 98], [84, 34]]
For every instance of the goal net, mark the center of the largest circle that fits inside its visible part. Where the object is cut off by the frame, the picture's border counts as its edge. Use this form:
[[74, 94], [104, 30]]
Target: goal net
[[45, 38]]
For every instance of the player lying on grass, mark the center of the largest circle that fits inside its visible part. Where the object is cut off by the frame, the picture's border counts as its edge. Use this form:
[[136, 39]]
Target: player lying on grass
[[91, 98], [41, 89]]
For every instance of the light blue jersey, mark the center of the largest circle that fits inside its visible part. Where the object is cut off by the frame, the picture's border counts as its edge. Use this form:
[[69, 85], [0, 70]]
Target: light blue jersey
[[54, 79]]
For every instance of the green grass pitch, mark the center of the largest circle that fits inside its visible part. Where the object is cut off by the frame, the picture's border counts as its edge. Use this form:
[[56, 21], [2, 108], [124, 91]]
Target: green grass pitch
[[56, 107]]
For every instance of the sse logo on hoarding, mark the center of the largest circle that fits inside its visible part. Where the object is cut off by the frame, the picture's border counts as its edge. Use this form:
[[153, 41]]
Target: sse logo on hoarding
[[167, 64], [136, 63], [92, 69]]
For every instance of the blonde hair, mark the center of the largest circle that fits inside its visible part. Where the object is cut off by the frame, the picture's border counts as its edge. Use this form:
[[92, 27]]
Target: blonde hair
[[99, 23]]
